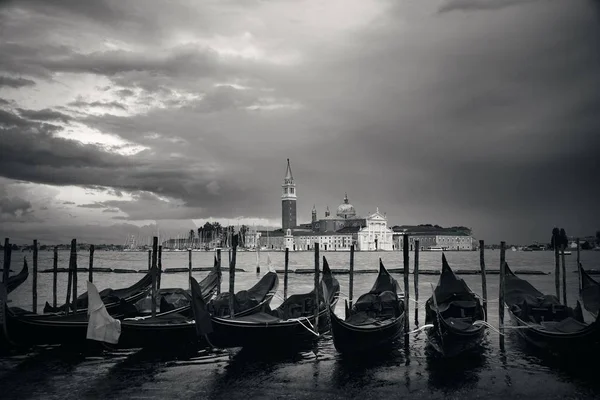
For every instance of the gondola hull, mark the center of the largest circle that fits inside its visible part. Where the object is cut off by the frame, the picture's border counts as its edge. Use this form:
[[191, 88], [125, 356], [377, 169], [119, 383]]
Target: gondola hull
[[16, 280], [451, 342], [122, 304], [583, 341], [26, 328], [349, 338], [175, 328], [290, 334], [456, 315]]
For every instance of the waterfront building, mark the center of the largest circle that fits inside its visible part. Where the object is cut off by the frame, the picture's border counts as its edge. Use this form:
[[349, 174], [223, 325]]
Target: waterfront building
[[333, 232], [375, 235], [434, 237], [346, 228]]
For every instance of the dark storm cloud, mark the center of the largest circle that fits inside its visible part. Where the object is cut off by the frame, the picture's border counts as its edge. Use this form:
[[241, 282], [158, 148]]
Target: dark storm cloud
[[32, 153], [15, 83], [453, 5], [125, 93], [44, 115], [103, 104], [434, 116], [68, 202], [184, 59], [14, 206], [92, 205]]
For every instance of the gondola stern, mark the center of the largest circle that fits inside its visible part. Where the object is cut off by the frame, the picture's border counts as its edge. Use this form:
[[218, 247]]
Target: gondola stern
[[382, 269], [326, 269], [507, 270], [445, 266]]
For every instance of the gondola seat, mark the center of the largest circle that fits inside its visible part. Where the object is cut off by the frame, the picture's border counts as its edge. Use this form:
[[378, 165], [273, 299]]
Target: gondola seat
[[462, 324]]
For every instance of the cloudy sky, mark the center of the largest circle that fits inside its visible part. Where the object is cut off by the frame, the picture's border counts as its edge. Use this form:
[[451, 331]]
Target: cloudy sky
[[117, 114]]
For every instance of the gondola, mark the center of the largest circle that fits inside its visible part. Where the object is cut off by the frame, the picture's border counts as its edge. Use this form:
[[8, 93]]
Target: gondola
[[546, 324], [290, 326], [115, 301], [376, 320], [456, 315], [176, 327], [589, 293], [26, 328], [15, 281]]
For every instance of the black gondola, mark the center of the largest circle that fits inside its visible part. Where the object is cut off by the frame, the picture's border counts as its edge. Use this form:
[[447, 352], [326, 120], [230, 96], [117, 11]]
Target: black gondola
[[177, 325], [289, 326], [115, 301], [376, 320], [589, 293], [456, 315], [26, 328], [15, 281], [544, 322]]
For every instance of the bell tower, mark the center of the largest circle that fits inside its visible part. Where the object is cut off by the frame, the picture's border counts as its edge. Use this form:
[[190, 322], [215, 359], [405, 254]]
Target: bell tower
[[314, 214], [288, 200]]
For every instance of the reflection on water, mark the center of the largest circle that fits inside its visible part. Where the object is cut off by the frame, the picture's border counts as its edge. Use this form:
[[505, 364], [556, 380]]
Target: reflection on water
[[451, 374]]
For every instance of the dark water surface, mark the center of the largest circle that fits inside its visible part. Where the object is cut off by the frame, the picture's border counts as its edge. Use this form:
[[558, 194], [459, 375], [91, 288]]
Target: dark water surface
[[410, 371]]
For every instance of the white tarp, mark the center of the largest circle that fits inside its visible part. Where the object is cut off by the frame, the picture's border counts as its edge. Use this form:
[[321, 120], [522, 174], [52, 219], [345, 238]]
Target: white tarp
[[101, 326]]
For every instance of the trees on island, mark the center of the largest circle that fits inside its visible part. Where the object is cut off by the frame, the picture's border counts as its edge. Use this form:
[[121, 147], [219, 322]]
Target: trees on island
[[214, 234]]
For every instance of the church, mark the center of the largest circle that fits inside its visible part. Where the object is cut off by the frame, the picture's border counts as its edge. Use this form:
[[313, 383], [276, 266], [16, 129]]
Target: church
[[333, 232]]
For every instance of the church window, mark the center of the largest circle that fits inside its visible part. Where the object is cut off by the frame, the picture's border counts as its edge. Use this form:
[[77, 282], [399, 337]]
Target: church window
[[292, 190], [285, 190]]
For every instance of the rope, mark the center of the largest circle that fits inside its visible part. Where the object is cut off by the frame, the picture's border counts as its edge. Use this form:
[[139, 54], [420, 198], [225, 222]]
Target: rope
[[420, 329], [299, 320]]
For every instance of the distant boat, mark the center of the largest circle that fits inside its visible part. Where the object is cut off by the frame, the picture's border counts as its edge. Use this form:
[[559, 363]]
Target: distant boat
[[436, 249], [566, 253], [513, 248]]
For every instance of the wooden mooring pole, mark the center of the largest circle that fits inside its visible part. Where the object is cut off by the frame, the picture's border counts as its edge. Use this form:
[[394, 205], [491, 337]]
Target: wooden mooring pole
[[351, 283], [416, 278], [74, 251], [190, 268], [501, 286], [285, 273], [219, 274], [483, 278], [556, 266], [54, 276], [406, 255], [149, 260], [70, 279], [232, 278], [6, 265], [564, 274], [317, 271], [154, 272], [159, 267], [34, 277], [91, 268], [578, 264]]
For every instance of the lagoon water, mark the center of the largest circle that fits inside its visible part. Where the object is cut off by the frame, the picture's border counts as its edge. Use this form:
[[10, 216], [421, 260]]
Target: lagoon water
[[517, 371]]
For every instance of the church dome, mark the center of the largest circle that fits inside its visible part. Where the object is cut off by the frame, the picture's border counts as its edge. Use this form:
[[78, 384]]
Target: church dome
[[346, 210]]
